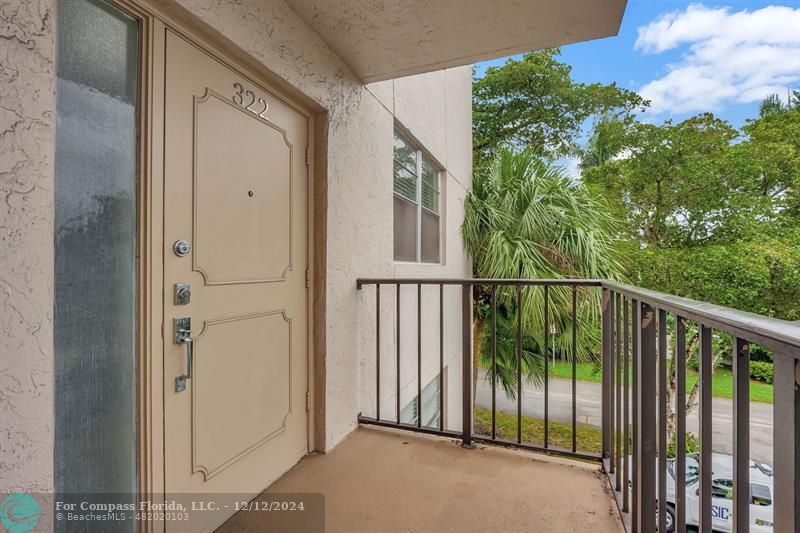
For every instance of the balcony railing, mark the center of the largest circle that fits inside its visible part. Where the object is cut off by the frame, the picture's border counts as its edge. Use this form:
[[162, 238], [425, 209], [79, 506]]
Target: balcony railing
[[640, 331]]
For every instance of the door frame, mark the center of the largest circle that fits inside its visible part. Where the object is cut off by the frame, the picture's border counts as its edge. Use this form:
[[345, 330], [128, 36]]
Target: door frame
[[155, 18]]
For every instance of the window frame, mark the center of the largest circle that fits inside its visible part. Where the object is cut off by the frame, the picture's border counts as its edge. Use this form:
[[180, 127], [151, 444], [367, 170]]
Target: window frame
[[419, 155]]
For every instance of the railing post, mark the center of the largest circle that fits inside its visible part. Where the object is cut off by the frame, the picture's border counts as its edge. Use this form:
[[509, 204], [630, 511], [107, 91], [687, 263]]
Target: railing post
[[606, 386], [786, 438], [645, 448], [741, 436], [706, 368], [680, 429], [466, 364]]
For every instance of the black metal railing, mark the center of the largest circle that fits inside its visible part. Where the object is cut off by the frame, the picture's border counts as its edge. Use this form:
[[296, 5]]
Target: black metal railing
[[638, 328]]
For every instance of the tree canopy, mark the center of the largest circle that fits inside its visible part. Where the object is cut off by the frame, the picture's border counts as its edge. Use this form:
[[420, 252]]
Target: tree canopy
[[710, 212], [534, 104]]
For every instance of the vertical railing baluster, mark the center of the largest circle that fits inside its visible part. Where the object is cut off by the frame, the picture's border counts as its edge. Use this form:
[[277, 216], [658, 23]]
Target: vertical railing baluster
[[419, 355], [626, 400], [494, 361], [574, 367], [397, 319], [466, 365], [786, 436], [636, 356], [606, 373], [546, 368], [661, 473], [618, 392], [741, 436], [377, 351], [705, 429], [612, 384], [680, 423], [519, 363], [441, 357], [646, 433]]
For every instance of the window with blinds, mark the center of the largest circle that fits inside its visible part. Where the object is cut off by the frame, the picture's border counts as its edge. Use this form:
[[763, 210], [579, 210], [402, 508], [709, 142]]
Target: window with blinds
[[416, 204], [428, 406]]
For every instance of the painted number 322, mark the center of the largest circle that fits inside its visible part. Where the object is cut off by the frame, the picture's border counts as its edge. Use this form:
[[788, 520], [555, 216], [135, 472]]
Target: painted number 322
[[247, 99]]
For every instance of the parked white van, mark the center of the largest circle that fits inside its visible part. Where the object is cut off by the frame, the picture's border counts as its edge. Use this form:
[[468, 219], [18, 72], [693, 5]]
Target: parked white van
[[722, 494]]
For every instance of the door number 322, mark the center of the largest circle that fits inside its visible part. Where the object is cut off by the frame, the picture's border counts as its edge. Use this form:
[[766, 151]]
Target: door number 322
[[247, 99]]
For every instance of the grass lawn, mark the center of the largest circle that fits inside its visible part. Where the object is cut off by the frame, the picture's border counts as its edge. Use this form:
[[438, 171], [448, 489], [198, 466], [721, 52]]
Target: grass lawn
[[560, 435], [721, 384]]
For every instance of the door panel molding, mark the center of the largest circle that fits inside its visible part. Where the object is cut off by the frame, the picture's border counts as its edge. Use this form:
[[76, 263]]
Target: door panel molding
[[208, 466], [268, 204]]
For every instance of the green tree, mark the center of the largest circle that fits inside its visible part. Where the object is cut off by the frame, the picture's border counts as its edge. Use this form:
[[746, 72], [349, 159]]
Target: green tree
[[671, 187], [710, 213], [525, 219], [772, 104], [767, 168], [608, 141], [533, 103]]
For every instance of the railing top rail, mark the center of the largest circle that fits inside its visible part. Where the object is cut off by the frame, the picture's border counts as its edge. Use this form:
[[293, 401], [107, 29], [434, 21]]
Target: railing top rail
[[774, 333], [476, 281]]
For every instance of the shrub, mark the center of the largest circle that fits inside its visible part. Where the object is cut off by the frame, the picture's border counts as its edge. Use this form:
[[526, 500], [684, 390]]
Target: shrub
[[761, 371], [692, 444]]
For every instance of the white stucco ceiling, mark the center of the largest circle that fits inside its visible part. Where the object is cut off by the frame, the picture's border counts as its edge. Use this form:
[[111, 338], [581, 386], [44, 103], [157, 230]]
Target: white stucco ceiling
[[382, 39]]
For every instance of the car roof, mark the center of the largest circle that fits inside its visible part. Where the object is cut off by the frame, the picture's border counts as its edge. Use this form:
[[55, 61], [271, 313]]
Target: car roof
[[723, 467]]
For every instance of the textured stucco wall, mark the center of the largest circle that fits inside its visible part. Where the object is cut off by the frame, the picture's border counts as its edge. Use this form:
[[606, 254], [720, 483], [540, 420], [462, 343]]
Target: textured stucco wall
[[27, 102], [434, 108]]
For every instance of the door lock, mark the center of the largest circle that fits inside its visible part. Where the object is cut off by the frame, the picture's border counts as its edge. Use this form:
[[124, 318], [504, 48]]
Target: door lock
[[181, 248], [183, 335], [183, 293]]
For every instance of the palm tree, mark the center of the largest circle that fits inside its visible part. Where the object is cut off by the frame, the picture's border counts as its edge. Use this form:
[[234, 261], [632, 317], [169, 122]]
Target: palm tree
[[771, 105], [526, 219]]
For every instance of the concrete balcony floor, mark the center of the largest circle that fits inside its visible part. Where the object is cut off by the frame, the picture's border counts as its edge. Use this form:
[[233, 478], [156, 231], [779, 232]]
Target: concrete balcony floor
[[385, 481]]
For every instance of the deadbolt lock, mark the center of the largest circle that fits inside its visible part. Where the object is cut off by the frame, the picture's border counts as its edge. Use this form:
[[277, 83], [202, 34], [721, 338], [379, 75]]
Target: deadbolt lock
[[183, 293]]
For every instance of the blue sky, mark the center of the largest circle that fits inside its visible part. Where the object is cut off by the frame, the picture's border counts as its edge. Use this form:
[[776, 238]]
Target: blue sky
[[689, 57]]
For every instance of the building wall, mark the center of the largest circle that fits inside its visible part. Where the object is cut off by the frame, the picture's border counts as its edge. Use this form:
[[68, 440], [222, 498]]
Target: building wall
[[27, 109], [434, 108]]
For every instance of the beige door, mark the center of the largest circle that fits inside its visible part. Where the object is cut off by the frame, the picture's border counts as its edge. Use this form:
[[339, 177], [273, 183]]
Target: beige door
[[235, 190]]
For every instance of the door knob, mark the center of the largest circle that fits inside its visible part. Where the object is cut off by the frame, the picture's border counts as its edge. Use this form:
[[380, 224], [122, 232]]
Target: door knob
[[181, 248], [183, 335]]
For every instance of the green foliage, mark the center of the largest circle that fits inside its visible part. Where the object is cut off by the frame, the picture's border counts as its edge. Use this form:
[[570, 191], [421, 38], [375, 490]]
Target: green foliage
[[692, 444], [761, 276], [588, 438], [525, 219], [671, 185], [533, 103], [762, 371], [507, 357], [711, 213]]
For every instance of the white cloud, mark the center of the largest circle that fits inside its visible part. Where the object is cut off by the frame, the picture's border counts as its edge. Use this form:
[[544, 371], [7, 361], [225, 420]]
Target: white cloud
[[740, 56]]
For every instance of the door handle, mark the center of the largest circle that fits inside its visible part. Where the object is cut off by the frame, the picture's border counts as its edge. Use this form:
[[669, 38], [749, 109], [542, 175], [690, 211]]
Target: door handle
[[183, 335]]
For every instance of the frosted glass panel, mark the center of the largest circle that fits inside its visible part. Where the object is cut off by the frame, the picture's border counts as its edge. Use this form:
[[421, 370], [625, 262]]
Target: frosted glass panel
[[95, 253]]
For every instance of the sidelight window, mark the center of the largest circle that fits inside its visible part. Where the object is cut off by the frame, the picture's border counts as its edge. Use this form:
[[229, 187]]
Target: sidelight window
[[95, 307]]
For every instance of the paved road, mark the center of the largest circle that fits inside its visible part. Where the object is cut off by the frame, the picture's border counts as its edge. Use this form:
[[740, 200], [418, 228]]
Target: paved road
[[588, 412]]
